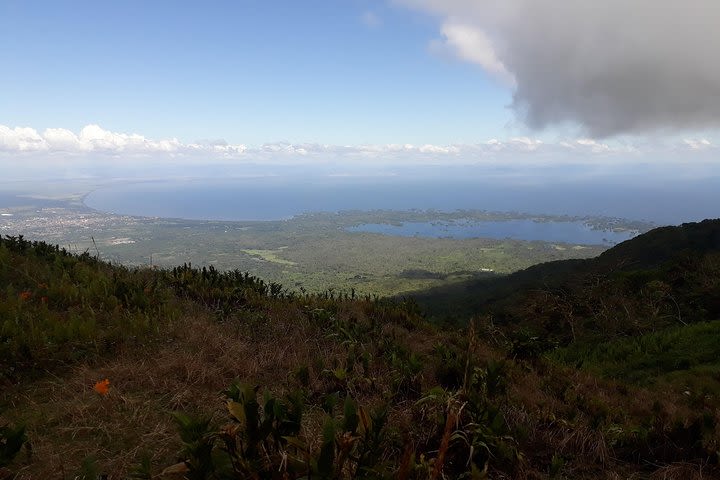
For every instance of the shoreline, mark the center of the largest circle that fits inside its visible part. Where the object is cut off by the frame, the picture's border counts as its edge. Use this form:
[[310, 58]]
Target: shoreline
[[346, 219]]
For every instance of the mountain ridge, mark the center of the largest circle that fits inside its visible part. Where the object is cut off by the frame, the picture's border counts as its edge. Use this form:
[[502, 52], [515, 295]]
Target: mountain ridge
[[644, 253]]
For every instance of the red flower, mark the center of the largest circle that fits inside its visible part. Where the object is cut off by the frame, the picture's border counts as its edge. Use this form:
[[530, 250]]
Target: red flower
[[102, 387]]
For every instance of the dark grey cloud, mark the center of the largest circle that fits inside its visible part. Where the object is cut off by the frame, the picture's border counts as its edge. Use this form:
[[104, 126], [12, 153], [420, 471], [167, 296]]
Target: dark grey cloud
[[611, 66]]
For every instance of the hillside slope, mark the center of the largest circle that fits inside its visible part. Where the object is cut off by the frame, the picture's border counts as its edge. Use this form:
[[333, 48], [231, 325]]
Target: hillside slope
[[221, 375], [669, 272]]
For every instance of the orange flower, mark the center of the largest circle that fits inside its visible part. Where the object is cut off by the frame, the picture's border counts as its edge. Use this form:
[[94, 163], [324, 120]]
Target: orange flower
[[25, 295], [102, 387]]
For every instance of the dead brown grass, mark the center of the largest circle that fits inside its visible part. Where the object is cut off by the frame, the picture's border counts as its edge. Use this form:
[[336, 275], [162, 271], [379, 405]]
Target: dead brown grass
[[185, 370], [579, 416], [67, 421], [683, 471]]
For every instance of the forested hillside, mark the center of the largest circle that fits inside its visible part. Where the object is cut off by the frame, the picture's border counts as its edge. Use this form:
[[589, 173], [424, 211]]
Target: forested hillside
[[668, 276]]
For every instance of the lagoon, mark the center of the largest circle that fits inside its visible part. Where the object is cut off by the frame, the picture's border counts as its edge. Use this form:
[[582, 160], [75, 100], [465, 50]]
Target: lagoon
[[574, 232]]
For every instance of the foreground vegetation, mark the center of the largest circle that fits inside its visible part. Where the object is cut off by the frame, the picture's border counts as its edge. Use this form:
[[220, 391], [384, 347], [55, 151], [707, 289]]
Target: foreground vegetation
[[216, 374]]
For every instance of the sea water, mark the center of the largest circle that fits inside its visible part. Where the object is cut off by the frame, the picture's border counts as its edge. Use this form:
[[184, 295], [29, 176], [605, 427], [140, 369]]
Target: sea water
[[273, 198]]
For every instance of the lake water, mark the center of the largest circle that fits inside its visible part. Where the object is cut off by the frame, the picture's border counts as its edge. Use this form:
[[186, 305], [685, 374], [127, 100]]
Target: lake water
[[522, 229]]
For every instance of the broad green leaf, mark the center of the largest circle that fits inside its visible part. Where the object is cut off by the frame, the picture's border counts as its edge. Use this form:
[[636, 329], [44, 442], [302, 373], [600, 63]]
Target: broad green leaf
[[351, 419], [237, 411]]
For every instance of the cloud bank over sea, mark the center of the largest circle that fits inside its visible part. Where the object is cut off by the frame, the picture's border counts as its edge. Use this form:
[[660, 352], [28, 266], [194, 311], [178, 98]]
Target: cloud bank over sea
[[93, 143]]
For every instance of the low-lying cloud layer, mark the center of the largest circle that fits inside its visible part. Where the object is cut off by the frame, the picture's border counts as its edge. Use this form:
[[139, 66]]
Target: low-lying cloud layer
[[612, 66], [93, 142], [93, 138]]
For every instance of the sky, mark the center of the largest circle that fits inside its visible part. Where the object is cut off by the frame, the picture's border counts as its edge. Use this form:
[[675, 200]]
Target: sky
[[409, 81]]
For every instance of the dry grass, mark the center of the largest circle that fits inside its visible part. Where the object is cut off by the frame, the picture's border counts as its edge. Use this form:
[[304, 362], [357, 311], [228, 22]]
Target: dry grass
[[683, 471], [558, 409], [68, 421], [186, 370]]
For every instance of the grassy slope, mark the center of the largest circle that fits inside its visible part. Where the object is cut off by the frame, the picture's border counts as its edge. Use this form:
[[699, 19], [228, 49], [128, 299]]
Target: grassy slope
[[683, 355], [193, 332]]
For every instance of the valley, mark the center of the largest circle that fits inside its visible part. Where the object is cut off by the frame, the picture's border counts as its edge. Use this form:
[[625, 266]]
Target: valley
[[314, 251]]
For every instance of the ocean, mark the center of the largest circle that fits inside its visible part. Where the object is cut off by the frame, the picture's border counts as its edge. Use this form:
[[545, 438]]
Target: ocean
[[275, 198]]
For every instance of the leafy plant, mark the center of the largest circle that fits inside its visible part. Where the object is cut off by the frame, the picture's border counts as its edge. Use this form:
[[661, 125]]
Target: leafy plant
[[267, 440], [198, 439]]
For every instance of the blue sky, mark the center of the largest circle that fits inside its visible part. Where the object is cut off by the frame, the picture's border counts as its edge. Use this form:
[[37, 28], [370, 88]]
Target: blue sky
[[333, 71], [427, 80]]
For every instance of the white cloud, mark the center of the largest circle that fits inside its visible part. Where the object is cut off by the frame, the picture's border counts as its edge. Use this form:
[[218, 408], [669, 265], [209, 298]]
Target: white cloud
[[473, 45], [62, 140], [229, 149], [93, 144], [593, 145], [516, 144], [698, 143], [21, 139], [93, 138], [451, 149]]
